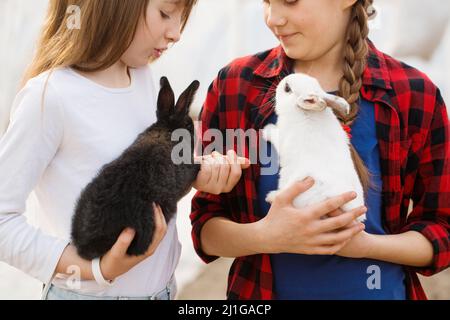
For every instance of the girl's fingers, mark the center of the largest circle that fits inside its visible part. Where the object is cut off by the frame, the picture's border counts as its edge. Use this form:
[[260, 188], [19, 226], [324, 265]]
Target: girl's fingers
[[204, 175], [215, 168], [205, 172], [160, 229], [331, 239], [220, 173], [235, 170], [323, 208], [243, 162], [335, 213], [336, 223], [329, 250], [198, 160], [119, 249], [224, 169], [288, 195], [161, 223]]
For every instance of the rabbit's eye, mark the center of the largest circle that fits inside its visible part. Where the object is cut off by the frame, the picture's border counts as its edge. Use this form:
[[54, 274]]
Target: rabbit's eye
[[287, 88]]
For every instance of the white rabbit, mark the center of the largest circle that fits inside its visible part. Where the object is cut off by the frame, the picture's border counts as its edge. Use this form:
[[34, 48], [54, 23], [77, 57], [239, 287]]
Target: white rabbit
[[310, 141]]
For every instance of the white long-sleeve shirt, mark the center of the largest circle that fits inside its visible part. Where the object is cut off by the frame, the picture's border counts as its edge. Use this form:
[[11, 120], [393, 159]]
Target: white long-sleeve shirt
[[55, 147]]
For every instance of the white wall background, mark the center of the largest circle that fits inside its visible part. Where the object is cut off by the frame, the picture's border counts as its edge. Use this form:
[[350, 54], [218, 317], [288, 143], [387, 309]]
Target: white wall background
[[416, 31]]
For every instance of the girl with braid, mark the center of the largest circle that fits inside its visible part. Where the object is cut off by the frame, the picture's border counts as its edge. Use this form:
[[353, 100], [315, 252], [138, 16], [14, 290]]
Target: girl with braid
[[399, 128]]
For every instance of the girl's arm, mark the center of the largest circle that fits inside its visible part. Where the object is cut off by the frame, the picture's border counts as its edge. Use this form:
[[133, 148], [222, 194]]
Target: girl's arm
[[431, 211], [26, 149], [116, 261], [222, 237], [410, 248], [424, 242], [284, 229], [70, 259]]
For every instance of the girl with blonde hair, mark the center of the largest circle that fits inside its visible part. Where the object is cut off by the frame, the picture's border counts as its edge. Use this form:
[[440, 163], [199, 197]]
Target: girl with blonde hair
[[87, 94]]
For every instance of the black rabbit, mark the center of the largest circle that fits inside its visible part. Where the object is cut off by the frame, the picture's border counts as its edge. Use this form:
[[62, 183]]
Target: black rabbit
[[122, 194]]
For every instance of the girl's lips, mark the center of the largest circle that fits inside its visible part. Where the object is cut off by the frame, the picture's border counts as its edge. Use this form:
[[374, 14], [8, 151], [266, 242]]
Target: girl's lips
[[158, 52], [287, 37]]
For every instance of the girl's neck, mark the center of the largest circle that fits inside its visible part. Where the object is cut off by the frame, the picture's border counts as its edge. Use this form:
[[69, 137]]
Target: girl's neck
[[327, 69], [117, 76]]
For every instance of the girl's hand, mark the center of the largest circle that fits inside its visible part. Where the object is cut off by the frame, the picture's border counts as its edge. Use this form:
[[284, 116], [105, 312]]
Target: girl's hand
[[358, 246], [219, 173], [116, 261], [304, 231]]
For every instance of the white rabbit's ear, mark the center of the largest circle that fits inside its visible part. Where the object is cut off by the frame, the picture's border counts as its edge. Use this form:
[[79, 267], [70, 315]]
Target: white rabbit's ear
[[186, 98], [339, 104], [166, 100]]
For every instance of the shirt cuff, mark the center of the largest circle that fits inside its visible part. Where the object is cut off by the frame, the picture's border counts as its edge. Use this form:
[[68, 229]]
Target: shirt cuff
[[439, 238]]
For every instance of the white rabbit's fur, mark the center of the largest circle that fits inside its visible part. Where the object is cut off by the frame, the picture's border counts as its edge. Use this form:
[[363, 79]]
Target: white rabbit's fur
[[310, 141]]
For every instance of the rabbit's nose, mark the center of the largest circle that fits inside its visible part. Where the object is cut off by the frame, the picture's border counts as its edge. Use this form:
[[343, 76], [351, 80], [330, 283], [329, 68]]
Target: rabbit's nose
[[311, 102]]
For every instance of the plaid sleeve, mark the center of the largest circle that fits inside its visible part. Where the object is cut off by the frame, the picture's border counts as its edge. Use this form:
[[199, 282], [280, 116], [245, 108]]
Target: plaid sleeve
[[431, 196], [206, 206]]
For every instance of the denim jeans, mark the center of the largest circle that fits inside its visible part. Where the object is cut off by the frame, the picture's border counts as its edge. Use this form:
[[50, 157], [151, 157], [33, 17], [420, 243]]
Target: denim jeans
[[55, 293]]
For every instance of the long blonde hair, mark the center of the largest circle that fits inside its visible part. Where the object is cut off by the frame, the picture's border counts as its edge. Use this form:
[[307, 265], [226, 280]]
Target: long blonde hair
[[107, 30]]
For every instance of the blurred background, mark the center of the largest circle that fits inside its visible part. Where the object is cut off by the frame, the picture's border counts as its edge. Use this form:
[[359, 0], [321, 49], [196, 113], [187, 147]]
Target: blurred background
[[415, 31]]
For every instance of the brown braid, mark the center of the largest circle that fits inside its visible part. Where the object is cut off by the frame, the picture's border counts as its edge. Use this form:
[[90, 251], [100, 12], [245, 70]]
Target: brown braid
[[355, 56]]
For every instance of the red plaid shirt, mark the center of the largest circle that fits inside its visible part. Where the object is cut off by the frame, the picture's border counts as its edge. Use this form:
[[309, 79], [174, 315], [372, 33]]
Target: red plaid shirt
[[412, 132]]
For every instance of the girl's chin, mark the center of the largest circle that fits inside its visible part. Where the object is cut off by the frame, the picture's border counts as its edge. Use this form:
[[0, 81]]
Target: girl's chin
[[294, 53], [291, 51], [141, 62], [154, 57]]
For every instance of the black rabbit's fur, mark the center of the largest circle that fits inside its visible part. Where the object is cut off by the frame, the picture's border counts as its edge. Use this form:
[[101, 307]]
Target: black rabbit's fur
[[122, 194]]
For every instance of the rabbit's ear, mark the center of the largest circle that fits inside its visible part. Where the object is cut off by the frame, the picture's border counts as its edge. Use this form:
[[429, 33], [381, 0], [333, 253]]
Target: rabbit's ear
[[166, 100], [186, 98], [340, 105]]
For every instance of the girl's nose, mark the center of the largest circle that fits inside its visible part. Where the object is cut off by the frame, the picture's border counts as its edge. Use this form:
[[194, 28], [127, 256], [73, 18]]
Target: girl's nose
[[275, 19], [174, 33]]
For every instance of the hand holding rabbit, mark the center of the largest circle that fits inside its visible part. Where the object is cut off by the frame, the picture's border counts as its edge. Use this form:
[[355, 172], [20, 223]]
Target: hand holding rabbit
[[220, 173], [149, 171], [117, 262], [305, 230]]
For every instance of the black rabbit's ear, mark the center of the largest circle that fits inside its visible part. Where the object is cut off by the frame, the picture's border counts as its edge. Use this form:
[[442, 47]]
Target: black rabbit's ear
[[166, 99], [186, 98]]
